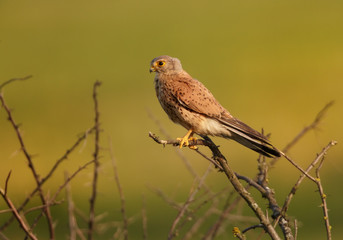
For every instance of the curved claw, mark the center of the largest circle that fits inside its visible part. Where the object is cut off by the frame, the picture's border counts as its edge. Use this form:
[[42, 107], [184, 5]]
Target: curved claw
[[193, 146]]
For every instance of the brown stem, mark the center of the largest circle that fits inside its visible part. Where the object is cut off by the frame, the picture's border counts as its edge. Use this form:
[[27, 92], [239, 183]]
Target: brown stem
[[30, 163], [96, 163], [16, 214], [220, 159]]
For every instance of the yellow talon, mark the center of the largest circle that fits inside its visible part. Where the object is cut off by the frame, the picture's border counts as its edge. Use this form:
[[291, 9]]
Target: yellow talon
[[185, 140], [182, 141]]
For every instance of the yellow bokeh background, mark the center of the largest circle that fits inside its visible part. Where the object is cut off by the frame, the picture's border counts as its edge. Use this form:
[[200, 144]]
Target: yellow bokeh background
[[272, 64]]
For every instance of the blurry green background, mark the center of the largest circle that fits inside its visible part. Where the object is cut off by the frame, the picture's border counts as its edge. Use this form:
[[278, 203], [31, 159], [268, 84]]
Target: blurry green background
[[273, 64]]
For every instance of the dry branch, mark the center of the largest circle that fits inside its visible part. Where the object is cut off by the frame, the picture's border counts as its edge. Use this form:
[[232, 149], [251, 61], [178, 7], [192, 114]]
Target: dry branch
[[290, 196], [74, 229], [96, 163], [312, 126], [21, 219], [302, 177], [262, 186], [28, 158], [178, 151], [323, 198], [53, 169], [172, 232], [319, 117], [121, 193], [14, 80], [220, 159]]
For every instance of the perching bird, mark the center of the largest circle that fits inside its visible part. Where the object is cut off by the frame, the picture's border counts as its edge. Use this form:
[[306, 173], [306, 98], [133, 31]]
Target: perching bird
[[189, 103]]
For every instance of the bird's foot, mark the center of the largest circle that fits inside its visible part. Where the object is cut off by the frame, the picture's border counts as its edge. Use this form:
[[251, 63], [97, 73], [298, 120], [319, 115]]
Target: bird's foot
[[184, 142], [192, 146]]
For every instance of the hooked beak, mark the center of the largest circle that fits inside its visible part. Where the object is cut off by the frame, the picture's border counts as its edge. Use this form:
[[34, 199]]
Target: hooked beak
[[152, 69]]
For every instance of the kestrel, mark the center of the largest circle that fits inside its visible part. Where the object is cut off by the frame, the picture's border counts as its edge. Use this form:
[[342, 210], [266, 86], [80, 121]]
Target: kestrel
[[189, 103]]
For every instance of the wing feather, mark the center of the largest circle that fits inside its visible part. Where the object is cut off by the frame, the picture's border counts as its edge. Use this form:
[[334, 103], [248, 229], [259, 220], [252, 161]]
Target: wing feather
[[194, 96]]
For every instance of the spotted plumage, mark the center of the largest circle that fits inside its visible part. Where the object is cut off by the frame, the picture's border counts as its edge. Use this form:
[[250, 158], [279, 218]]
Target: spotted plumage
[[189, 103]]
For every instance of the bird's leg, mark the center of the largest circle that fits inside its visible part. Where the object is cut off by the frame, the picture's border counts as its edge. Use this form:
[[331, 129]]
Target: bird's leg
[[186, 138]]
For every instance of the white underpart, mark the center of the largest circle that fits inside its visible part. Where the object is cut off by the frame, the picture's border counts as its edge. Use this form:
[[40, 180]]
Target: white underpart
[[213, 127]]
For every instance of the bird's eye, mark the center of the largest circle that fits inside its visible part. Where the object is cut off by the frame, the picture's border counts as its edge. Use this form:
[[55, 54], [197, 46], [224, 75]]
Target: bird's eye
[[161, 63]]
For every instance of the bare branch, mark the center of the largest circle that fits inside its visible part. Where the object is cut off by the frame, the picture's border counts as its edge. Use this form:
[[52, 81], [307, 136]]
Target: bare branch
[[32, 209], [252, 227], [67, 153], [96, 162], [121, 193], [247, 197], [261, 184], [197, 225], [305, 173], [73, 228], [197, 142], [229, 206], [178, 152], [193, 192], [3, 237], [21, 220], [218, 157], [29, 160], [209, 197], [319, 117], [312, 126], [323, 198], [302, 177], [53, 169], [7, 180], [13, 80], [252, 183], [69, 178], [295, 229]]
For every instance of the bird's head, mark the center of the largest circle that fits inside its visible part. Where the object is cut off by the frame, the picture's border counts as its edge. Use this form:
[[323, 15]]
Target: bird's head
[[165, 64]]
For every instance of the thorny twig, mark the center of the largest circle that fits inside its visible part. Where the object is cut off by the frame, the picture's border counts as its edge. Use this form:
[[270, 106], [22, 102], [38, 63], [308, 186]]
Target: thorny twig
[[21, 219], [323, 198], [302, 177], [301, 134], [218, 157], [54, 168], [262, 186], [28, 158], [96, 163]]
